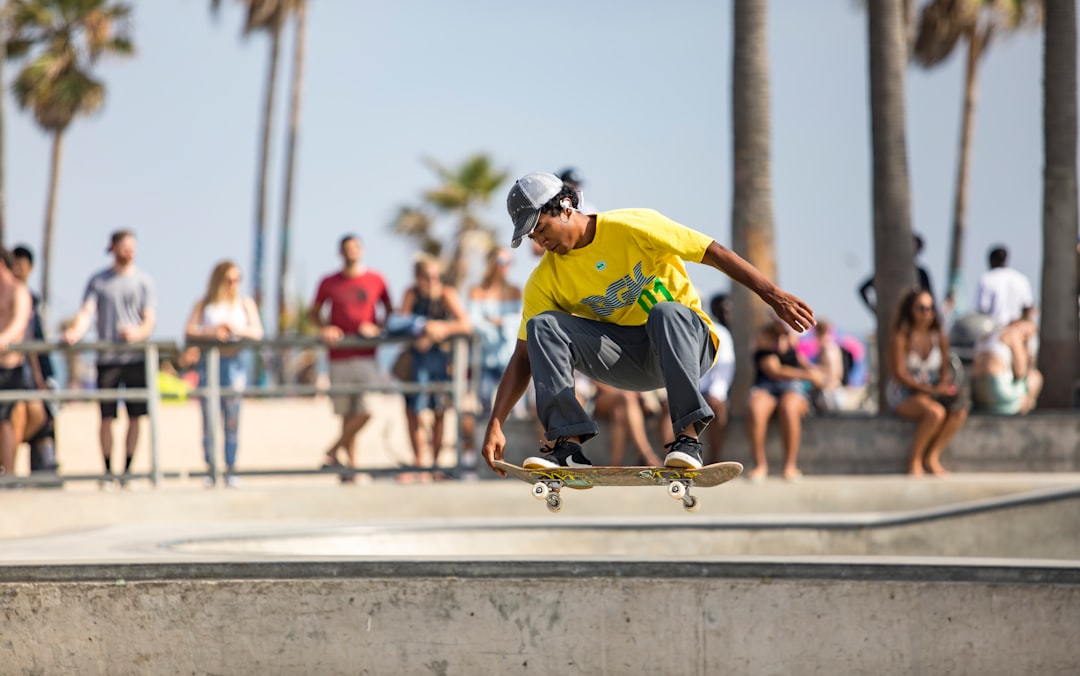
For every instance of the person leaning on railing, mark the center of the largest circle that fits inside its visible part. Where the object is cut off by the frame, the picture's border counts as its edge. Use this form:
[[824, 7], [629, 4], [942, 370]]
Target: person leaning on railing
[[223, 314], [358, 303], [15, 308], [122, 299]]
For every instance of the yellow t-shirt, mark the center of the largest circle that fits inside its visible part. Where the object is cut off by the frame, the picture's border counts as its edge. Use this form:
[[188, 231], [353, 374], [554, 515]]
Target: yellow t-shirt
[[634, 262]]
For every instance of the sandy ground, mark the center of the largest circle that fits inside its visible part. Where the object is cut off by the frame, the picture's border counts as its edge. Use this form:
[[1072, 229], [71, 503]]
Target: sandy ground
[[275, 434]]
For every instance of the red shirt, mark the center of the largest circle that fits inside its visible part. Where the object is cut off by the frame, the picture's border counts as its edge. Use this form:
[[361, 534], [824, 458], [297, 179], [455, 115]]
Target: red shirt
[[353, 299]]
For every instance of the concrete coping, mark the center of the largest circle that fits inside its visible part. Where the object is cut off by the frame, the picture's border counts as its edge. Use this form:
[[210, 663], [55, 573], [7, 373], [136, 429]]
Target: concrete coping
[[532, 571]]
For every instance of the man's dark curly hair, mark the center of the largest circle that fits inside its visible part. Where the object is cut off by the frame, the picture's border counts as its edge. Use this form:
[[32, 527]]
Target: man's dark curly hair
[[553, 207]]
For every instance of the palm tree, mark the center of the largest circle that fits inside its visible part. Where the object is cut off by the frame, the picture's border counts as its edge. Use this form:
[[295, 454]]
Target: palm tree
[[3, 58], [61, 40], [943, 25], [1058, 352], [893, 241], [300, 15], [459, 195], [752, 230], [263, 16]]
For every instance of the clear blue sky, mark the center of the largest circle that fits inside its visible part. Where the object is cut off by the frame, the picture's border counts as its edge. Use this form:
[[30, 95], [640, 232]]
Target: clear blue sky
[[635, 95]]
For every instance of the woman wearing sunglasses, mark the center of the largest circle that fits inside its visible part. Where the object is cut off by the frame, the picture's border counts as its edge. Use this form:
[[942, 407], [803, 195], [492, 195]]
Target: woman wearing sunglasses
[[921, 385]]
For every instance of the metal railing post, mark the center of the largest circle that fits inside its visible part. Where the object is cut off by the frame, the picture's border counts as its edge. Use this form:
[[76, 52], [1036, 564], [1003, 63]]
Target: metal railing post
[[457, 391], [153, 409], [213, 411]]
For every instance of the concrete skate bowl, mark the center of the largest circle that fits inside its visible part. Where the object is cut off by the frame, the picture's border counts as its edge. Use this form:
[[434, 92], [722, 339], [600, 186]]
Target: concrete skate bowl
[[1040, 524], [984, 586]]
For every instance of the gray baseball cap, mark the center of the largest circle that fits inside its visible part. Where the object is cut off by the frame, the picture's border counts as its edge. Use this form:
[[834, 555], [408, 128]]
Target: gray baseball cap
[[529, 193]]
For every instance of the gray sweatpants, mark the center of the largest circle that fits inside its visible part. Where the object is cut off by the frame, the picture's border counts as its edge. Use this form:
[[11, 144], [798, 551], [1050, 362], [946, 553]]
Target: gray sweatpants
[[673, 349]]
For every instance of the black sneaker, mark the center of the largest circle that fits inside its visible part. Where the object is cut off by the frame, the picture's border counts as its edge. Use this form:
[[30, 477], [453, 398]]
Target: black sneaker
[[684, 452], [564, 453]]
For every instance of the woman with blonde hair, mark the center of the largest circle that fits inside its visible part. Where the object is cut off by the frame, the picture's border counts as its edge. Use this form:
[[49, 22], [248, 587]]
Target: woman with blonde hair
[[224, 315]]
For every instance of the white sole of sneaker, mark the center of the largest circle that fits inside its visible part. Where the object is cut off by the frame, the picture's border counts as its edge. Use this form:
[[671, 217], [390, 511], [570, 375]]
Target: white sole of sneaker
[[537, 463], [681, 461]]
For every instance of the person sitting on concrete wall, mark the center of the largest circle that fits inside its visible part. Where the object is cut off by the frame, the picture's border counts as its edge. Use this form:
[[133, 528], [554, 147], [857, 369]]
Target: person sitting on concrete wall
[[1004, 377], [921, 386], [780, 388]]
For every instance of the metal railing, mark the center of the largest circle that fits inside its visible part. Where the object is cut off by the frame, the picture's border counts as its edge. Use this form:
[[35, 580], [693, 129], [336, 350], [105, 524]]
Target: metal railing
[[463, 358]]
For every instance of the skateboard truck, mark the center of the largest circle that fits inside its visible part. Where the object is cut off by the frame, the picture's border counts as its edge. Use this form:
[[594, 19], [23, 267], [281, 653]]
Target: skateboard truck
[[679, 489], [549, 493]]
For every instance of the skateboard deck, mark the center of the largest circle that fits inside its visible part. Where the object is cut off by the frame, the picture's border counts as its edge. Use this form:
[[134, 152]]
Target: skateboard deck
[[547, 482]]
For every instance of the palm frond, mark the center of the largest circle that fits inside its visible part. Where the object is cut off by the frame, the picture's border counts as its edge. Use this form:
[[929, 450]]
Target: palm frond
[[941, 25], [448, 197], [61, 39], [412, 222]]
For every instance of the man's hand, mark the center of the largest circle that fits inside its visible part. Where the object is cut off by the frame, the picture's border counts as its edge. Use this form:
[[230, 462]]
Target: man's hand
[[795, 313], [369, 330], [70, 337], [129, 334], [332, 335], [494, 445]]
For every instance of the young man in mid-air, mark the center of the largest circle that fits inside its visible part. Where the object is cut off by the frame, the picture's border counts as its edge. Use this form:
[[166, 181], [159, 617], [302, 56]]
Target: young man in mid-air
[[611, 298]]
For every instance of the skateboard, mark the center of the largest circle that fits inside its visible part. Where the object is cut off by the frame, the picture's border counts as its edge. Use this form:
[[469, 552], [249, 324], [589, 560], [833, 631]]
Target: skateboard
[[677, 481]]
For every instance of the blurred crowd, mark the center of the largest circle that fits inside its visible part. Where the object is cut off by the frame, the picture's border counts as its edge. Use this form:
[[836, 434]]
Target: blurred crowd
[[933, 382]]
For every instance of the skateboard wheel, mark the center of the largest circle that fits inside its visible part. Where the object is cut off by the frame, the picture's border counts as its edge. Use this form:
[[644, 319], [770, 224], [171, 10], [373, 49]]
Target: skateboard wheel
[[540, 490], [676, 490], [554, 502], [691, 504]]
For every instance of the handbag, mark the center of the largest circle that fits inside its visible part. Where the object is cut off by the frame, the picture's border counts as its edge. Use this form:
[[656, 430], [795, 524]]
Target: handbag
[[403, 365]]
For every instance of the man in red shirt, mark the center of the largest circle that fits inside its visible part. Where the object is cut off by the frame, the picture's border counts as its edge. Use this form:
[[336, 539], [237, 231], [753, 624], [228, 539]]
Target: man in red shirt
[[354, 295]]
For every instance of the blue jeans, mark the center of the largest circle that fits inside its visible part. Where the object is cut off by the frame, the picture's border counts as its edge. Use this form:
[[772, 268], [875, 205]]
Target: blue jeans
[[432, 366], [233, 379]]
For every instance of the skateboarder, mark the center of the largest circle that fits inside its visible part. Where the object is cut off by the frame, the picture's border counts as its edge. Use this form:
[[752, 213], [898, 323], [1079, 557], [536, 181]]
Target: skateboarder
[[612, 299]]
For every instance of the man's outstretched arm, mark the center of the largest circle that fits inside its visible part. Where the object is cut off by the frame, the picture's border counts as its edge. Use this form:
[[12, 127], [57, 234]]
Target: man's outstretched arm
[[789, 308], [512, 385]]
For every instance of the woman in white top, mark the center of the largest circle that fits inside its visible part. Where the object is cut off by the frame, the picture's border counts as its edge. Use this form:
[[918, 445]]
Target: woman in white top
[[921, 386], [495, 312], [1004, 377], [224, 315]]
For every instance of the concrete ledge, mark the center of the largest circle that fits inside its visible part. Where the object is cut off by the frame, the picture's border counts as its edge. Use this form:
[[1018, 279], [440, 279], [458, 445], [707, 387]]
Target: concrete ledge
[[1040, 442], [587, 617], [877, 569]]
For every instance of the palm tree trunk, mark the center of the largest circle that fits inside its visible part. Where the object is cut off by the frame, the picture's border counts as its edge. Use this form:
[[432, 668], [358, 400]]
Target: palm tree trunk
[[50, 219], [975, 42], [3, 58], [893, 243], [290, 166], [1059, 352], [752, 233], [257, 274]]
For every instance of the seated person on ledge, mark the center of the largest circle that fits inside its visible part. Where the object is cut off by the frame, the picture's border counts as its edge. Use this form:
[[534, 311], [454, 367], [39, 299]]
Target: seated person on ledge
[[780, 387], [1003, 377], [920, 385]]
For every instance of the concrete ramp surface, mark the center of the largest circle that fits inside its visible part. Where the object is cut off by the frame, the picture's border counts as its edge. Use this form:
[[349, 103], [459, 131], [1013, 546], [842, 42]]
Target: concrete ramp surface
[[831, 577]]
